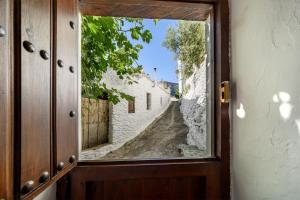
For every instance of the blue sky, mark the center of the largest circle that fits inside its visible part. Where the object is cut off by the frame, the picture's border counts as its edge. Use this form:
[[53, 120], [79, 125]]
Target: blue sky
[[155, 55]]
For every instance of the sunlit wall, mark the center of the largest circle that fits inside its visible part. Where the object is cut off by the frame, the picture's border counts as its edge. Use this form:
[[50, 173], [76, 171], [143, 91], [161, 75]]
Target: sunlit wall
[[265, 121]]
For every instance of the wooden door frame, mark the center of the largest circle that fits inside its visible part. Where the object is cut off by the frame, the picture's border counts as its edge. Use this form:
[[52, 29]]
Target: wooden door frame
[[215, 169], [6, 99]]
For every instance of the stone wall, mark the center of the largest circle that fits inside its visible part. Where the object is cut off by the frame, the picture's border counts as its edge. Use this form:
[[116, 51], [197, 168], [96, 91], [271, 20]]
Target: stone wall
[[196, 98], [193, 107], [124, 126]]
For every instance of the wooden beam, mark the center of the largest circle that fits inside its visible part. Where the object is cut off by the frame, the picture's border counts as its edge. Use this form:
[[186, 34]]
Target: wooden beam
[[185, 10]]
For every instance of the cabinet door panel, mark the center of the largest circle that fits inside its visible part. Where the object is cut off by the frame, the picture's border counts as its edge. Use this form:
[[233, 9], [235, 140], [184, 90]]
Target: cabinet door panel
[[66, 35], [34, 96]]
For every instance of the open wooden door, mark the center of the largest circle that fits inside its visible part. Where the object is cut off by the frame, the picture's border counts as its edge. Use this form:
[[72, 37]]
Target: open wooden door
[[43, 93]]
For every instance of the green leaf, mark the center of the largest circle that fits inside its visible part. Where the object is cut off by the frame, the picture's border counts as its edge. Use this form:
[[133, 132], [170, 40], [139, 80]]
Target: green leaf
[[134, 34], [187, 42], [104, 45]]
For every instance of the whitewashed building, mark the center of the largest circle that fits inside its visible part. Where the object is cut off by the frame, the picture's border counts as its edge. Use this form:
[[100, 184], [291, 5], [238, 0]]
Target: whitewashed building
[[127, 119]]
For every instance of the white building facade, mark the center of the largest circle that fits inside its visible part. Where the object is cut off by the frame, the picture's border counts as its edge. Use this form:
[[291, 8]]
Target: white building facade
[[151, 99]]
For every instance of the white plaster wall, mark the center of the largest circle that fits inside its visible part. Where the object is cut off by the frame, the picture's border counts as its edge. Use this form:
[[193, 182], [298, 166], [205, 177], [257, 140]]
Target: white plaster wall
[[265, 36], [48, 194], [125, 126], [179, 77]]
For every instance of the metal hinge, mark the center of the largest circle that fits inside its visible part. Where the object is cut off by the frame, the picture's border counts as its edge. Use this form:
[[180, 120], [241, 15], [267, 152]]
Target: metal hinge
[[225, 92]]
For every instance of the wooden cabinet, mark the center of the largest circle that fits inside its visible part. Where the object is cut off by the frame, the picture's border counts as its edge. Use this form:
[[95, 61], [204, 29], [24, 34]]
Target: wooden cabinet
[[66, 75]]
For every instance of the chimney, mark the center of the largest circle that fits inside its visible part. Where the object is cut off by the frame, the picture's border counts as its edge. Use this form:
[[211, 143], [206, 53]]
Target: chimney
[[154, 76]]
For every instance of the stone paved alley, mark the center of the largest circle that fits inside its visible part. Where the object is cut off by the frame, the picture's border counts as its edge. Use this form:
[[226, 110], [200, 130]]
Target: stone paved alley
[[159, 140]]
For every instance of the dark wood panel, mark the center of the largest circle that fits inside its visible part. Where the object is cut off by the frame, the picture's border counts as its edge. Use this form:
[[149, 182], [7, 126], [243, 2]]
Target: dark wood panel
[[5, 101], [33, 138], [65, 90], [176, 188], [222, 73], [148, 9], [148, 181], [56, 179]]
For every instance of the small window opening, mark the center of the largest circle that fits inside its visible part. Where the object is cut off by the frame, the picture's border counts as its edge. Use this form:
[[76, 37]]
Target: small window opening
[[148, 101], [131, 105]]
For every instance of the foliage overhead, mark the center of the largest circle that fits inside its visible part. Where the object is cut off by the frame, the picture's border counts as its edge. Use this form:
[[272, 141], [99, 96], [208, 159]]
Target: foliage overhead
[[105, 44], [187, 41]]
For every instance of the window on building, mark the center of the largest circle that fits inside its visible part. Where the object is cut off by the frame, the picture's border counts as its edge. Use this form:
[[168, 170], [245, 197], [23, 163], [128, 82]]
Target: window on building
[[131, 105], [148, 96]]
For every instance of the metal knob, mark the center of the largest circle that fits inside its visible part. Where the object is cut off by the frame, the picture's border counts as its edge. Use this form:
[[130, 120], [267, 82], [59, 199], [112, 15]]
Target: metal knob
[[72, 24], [60, 63], [60, 166], [2, 32], [72, 159], [44, 54], [71, 68], [72, 113], [29, 46], [28, 186], [44, 177]]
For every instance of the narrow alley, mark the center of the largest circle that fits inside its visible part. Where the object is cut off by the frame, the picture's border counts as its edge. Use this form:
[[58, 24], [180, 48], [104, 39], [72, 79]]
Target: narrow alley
[[159, 140]]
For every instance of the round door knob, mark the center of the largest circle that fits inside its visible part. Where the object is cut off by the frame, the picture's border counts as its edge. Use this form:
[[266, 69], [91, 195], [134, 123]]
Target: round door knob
[[72, 159], [29, 46], [44, 177], [60, 166], [44, 54], [27, 187], [72, 113], [2, 32], [71, 68], [60, 63], [72, 24]]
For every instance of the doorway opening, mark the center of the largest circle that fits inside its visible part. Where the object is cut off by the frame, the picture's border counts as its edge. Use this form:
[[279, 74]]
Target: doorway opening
[[157, 76]]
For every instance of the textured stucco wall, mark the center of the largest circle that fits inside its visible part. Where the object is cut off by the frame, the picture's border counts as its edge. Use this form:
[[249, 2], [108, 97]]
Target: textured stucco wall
[[265, 37], [125, 126]]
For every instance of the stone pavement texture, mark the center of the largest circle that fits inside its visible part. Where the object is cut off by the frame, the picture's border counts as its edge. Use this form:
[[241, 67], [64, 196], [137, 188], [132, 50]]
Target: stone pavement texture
[[160, 140]]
